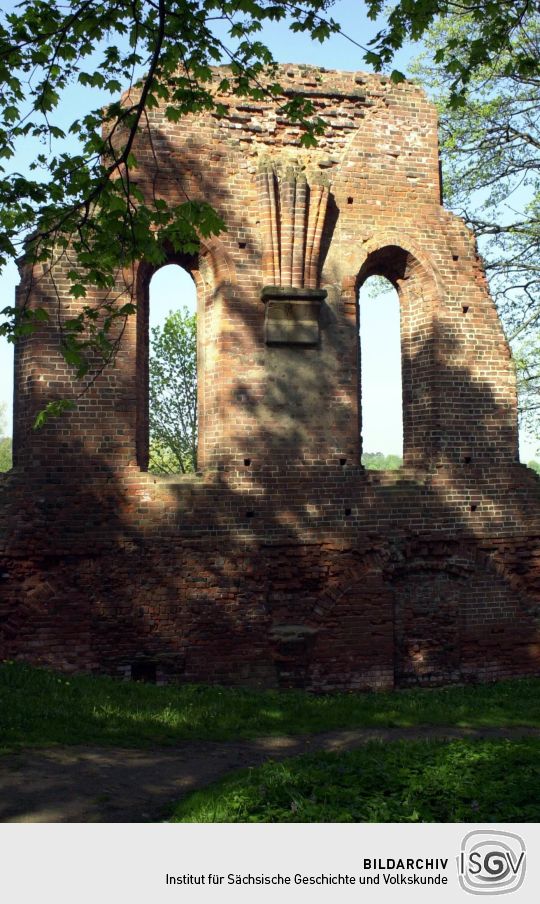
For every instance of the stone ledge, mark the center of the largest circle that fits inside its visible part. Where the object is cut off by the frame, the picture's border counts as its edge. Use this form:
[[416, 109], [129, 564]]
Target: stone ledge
[[292, 315], [289, 293]]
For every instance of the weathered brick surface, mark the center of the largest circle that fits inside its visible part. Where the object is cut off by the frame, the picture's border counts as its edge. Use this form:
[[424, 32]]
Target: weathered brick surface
[[283, 562]]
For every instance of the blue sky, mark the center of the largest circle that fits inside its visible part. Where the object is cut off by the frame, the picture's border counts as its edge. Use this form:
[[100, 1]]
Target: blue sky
[[381, 402]]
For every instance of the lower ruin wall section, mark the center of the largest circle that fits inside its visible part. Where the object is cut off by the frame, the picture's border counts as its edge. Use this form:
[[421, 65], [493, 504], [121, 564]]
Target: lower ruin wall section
[[371, 609]]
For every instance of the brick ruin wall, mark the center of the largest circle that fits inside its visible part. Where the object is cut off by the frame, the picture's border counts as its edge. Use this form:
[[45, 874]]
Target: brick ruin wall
[[282, 562]]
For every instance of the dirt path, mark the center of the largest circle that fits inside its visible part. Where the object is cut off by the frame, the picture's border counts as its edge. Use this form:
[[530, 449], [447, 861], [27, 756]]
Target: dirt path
[[110, 784]]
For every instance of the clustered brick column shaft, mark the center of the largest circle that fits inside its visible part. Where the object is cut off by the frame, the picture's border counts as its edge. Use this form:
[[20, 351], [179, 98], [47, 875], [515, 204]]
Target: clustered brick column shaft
[[282, 562], [293, 224]]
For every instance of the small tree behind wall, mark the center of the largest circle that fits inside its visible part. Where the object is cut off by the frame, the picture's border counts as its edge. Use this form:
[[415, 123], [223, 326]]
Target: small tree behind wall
[[173, 394], [5, 441]]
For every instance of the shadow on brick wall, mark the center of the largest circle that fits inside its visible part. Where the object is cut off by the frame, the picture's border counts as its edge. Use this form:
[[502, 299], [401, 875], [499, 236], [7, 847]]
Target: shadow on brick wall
[[285, 563]]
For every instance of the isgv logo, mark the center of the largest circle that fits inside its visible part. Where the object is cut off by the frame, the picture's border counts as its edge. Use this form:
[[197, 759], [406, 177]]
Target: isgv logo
[[491, 862]]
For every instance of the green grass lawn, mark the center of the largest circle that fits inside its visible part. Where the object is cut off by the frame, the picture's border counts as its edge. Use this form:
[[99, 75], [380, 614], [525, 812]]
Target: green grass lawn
[[404, 781], [39, 707]]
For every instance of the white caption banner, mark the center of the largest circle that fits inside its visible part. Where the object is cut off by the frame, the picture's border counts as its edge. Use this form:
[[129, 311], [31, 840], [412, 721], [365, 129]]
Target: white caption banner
[[206, 864]]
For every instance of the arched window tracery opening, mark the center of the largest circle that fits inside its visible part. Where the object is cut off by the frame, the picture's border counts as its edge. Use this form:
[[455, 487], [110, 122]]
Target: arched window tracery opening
[[167, 428], [381, 399], [418, 298]]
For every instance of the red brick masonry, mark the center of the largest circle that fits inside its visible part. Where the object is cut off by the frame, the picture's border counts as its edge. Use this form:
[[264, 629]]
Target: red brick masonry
[[283, 562]]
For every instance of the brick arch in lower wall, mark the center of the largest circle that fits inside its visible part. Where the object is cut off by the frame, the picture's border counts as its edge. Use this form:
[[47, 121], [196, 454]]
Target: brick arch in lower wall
[[460, 613], [403, 613]]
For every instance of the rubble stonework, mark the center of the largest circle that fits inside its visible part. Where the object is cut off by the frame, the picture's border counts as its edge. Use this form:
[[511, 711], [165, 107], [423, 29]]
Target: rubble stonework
[[282, 562]]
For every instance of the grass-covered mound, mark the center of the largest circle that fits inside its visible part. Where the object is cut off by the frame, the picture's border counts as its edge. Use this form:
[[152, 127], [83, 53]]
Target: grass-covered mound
[[404, 781]]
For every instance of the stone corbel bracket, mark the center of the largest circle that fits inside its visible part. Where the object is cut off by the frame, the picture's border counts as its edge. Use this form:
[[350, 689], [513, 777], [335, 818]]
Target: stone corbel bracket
[[292, 315]]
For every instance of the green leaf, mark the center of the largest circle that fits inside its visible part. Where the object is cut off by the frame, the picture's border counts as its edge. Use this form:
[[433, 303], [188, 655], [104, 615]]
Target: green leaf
[[396, 76], [75, 326], [52, 409]]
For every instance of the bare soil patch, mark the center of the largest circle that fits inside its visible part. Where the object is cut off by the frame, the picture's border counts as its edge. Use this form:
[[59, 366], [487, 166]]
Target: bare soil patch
[[109, 784]]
